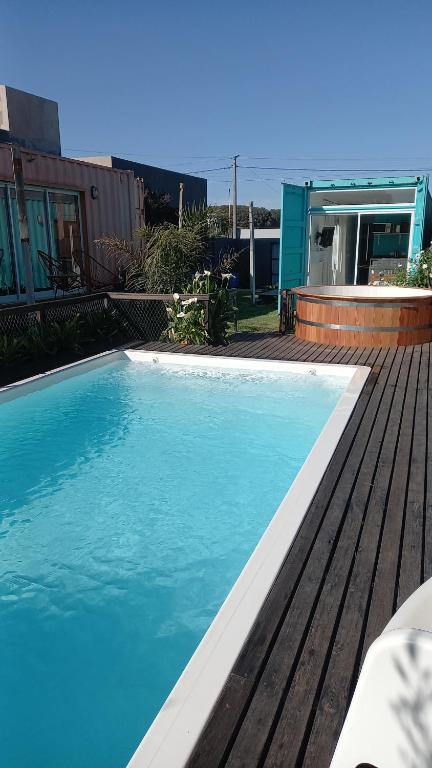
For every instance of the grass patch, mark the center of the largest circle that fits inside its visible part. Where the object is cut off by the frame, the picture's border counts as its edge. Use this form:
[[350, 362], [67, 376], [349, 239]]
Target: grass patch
[[256, 318]]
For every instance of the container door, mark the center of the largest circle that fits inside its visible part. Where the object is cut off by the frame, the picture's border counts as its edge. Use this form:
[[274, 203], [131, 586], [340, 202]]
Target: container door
[[38, 237], [7, 263], [419, 219], [292, 262]]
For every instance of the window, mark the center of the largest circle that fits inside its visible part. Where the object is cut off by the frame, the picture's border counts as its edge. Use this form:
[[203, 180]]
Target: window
[[66, 230], [388, 196]]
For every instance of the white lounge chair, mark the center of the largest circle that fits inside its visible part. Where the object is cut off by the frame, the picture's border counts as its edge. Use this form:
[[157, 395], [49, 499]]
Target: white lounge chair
[[389, 722]]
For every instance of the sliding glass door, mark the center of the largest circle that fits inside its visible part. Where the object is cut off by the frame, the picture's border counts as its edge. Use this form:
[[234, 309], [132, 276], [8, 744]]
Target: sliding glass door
[[54, 224], [8, 283]]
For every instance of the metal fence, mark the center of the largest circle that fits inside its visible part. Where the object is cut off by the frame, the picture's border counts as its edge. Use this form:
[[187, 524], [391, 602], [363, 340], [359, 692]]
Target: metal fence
[[15, 321], [142, 316], [145, 315]]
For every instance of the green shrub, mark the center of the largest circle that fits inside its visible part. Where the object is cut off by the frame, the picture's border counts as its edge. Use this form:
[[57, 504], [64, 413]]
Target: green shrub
[[420, 274], [48, 340], [186, 318], [11, 349], [103, 325], [186, 322]]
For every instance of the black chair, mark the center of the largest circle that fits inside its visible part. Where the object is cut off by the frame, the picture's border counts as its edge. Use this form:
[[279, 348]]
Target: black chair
[[58, 277]]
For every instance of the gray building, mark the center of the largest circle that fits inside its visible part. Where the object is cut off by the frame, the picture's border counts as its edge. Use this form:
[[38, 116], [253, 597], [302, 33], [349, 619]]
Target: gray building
[[267, 242], [29, 121], [160, 181], [266, 255]]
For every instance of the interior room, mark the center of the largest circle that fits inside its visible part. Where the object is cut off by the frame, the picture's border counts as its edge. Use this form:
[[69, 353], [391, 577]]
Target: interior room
[[357, 248]]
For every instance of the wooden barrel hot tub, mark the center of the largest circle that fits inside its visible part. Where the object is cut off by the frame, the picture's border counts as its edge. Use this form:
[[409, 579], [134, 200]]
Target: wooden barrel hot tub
[[363, 315]]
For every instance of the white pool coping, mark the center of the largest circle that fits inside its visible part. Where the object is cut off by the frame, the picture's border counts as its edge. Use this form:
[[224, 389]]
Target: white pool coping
[[176, 729]]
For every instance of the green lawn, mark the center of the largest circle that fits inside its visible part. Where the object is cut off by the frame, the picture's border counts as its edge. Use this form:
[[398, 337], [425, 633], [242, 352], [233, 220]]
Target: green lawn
[[256, 318]]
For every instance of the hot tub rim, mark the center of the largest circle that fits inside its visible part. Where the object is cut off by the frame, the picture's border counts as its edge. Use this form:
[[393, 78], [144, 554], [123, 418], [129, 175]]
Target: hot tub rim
[[314, 292]]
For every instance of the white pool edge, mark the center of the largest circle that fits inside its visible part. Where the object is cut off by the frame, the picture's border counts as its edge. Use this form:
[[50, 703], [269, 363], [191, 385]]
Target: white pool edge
[[176, 729], [41, 380]]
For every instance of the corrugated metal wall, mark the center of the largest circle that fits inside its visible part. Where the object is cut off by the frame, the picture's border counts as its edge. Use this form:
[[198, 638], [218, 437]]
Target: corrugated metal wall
[[112, 212]]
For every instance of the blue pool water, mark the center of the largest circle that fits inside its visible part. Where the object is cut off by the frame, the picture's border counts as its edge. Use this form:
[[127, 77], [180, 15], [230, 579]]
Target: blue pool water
[[131, 497]]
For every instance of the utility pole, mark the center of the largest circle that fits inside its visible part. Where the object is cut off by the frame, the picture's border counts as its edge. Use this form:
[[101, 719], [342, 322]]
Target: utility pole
[[23, 223], [234, 218], [251, 253], [181, 205]]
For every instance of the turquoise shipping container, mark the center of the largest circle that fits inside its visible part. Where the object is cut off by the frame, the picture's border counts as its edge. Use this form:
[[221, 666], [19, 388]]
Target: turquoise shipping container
[[352, 231]]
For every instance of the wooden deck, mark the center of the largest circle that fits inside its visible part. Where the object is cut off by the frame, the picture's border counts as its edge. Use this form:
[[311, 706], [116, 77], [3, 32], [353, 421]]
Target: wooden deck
[[364, 546]]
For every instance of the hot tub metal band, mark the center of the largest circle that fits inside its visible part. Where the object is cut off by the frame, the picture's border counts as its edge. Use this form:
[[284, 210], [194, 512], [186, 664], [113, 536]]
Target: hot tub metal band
[[371, 328]]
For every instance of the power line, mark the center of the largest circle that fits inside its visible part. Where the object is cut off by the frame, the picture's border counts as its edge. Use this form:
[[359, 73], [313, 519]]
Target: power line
[[331, 170], [265, 181], [210, 170], [340, 159]]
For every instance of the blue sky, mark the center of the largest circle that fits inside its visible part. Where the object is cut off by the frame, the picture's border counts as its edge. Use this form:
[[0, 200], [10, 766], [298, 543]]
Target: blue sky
[[187, 85]]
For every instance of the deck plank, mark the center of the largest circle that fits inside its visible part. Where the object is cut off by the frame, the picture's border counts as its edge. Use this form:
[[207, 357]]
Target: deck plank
[[344, 653], [282, 702]]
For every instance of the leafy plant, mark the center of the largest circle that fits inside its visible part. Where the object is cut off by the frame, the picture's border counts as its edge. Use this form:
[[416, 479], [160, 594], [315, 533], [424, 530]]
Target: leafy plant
[[64, 336], [42, 340], [36, 341], [162, 258], [221, 309], [11, 349], [420, 274], [187, 317], [186, 321], [103, 325]]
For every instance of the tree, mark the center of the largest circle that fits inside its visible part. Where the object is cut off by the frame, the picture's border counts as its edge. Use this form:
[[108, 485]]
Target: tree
[[158, 209], [263, 217]]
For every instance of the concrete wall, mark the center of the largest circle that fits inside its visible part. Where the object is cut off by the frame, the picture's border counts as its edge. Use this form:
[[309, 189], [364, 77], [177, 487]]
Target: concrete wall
[[30, 121], [161, 181]]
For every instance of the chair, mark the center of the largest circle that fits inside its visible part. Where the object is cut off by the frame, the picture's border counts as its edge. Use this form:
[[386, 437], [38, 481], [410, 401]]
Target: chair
[[58, 277], [99, 274], [389, 722]]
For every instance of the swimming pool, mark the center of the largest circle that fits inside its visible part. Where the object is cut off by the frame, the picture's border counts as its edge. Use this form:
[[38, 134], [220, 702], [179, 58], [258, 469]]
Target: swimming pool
[[132, 495]]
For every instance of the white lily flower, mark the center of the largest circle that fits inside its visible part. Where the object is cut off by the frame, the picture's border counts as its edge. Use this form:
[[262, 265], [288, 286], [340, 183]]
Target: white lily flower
[[197, 275], [226, 275], [180, 314], [425, 266], [176, 296], [207, 272], [187, 302]]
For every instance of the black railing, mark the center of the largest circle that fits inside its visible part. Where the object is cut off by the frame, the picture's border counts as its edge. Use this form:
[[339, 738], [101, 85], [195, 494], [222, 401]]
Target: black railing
[[145, 315], [17, 320], [142, 315]]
